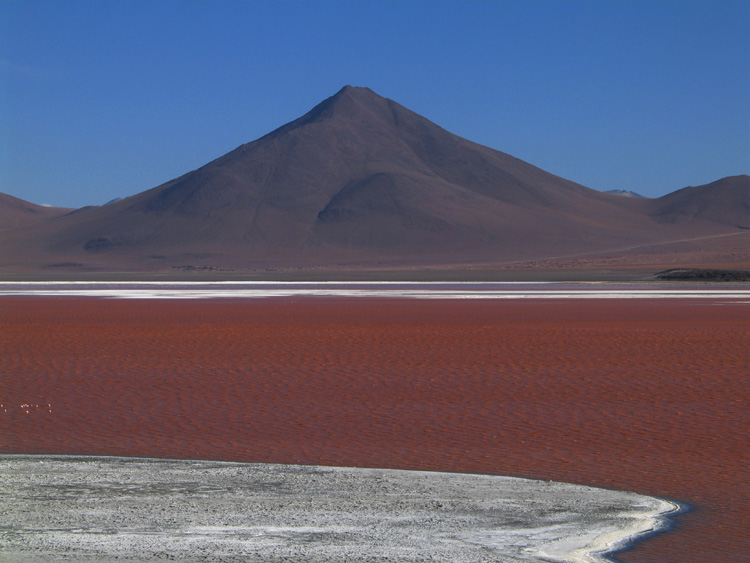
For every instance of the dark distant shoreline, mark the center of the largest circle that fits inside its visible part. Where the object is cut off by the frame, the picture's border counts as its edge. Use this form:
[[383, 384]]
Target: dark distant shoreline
[[406, 275], [703, 275]]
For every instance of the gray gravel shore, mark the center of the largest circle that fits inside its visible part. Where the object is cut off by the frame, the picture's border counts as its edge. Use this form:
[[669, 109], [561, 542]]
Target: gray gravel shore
[[62, 508]]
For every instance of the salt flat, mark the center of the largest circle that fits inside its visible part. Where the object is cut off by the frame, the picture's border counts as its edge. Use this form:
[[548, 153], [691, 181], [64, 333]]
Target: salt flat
[[118, 509], [413, 290]]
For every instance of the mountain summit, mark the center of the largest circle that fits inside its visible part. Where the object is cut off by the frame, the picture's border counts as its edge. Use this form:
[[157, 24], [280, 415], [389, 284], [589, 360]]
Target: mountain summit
[[357, 180]]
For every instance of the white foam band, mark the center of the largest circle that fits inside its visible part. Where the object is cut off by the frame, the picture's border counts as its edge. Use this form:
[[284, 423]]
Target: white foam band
[[414, 290]]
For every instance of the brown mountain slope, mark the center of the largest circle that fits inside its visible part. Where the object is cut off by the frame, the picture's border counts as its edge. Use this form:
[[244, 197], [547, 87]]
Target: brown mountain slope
[[358, 180], [726, 201], [15, 212]]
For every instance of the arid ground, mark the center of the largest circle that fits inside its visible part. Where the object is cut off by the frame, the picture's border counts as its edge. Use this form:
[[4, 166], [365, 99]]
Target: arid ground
[[645, 395]]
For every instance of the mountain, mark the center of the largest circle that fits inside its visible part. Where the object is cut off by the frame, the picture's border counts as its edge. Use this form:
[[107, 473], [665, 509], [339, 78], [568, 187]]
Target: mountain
[[358, 181], [726, 201], [15, 212], [624, 193]]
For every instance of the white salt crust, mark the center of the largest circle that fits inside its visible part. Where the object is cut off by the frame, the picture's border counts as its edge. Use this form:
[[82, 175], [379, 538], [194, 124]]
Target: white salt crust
[[64, 508]]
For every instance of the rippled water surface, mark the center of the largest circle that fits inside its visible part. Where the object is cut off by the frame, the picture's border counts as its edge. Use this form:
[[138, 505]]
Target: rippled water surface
[[648, 395]]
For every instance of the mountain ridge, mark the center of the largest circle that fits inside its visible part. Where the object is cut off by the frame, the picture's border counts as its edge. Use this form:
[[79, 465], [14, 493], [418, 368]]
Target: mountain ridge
[[360, 179], [16, 212]]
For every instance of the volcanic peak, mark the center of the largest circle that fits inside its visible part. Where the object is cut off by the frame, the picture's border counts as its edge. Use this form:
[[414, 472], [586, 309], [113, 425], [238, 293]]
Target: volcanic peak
[[351, 103], [360, 179]]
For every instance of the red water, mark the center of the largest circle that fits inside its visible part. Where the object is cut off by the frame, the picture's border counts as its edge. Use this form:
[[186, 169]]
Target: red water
[[645, 395]]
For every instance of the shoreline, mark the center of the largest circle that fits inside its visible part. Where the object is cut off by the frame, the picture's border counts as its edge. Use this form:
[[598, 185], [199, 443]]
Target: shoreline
[[347, 512], [659, 521], [642, 274]]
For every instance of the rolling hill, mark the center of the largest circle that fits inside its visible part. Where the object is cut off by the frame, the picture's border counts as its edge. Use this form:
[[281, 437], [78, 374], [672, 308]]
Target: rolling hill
[[15, 212]]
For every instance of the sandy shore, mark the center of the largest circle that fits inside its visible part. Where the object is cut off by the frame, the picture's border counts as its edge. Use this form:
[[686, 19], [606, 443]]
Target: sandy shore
[[641, 395], [130, 509]]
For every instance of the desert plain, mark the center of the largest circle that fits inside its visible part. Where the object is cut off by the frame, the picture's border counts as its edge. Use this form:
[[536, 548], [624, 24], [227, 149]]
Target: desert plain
[[644, 395]]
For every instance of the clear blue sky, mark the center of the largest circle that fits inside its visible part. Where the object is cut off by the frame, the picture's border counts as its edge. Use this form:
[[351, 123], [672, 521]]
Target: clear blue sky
[[102, 99]]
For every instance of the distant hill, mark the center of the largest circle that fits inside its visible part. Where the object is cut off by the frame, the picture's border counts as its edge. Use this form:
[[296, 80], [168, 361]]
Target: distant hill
[[624, 193], [15, 212], [361, 181], [725, 201]]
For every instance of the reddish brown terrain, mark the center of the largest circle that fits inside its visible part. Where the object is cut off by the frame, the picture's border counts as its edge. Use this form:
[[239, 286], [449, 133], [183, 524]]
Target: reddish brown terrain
[[642, 395], [16, 212]]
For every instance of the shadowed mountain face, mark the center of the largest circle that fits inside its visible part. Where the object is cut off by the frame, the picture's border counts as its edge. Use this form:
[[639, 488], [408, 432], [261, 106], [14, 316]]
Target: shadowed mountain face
[[362, 180], [726, 201]]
